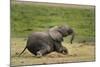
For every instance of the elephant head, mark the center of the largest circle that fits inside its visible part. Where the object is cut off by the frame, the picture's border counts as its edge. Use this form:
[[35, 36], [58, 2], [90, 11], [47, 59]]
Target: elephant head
[[58, 32]]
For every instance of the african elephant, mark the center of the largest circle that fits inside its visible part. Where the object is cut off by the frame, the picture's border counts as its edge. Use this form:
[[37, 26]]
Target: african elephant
[[42, 43]]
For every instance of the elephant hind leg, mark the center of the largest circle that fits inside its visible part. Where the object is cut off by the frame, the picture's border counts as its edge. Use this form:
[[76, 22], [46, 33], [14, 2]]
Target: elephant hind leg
[[41, 52]]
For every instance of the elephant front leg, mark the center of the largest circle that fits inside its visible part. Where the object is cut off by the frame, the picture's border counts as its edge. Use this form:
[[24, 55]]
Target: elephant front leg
[[59, 48], [64, 50]]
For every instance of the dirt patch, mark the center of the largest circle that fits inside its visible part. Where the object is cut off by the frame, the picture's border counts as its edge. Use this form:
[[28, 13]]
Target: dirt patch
[[77, 52]]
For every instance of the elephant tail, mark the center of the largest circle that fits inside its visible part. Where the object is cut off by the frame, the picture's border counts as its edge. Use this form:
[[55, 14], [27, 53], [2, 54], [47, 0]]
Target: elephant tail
[[22, 51]]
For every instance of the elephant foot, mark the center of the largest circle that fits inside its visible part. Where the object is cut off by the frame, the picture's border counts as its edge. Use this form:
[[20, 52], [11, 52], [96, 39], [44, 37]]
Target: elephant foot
[[39, 55], [65, 52]]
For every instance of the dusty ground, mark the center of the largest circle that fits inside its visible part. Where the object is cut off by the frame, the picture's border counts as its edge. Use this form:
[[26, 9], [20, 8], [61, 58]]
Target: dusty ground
[[78, 52]]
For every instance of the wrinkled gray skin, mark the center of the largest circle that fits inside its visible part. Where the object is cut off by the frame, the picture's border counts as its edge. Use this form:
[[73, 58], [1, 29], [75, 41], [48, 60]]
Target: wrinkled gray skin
[[42, 43]]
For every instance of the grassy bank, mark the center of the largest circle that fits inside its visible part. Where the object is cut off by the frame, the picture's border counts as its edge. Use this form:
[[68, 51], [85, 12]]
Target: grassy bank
[[29, 17]]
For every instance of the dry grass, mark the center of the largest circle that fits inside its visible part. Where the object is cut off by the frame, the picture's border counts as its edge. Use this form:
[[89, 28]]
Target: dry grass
[[78, 52]]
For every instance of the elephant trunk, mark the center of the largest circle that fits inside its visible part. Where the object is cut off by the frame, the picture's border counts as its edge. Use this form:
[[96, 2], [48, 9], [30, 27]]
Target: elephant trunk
[[72, 38]]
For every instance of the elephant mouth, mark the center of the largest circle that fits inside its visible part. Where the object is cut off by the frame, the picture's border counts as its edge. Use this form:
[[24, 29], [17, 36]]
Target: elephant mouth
[[65, 35]]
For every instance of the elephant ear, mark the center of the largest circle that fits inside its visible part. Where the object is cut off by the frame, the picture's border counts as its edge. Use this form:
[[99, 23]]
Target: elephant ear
[[55, 35]]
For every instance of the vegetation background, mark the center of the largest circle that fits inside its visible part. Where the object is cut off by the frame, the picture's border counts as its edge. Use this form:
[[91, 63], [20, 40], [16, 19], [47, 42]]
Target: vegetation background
[[28, 17]]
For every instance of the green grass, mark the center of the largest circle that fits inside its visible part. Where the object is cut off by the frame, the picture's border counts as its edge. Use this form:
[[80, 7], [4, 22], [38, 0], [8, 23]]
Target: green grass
[[28, 17]]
